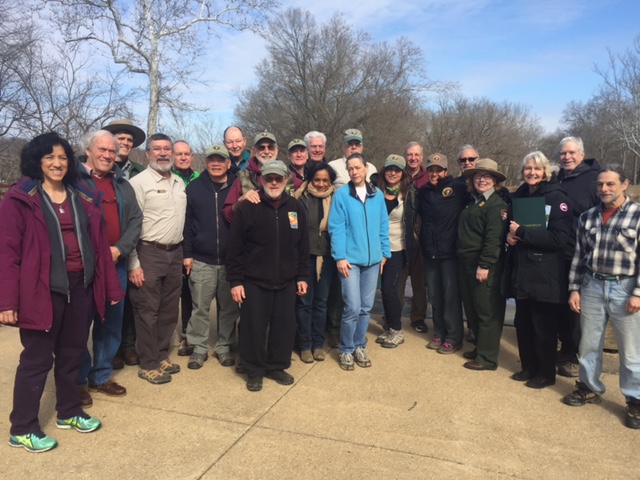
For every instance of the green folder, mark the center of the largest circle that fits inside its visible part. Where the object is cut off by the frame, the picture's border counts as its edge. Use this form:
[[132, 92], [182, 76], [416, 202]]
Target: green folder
[[530, 213]]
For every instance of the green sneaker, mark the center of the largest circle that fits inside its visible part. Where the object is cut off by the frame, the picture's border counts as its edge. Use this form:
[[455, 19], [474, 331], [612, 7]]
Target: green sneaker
[[33, 442], [82, 423]]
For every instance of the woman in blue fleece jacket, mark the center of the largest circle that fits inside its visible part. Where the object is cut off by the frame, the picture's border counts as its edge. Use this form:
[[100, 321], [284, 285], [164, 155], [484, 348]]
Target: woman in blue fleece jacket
[[359, 230]]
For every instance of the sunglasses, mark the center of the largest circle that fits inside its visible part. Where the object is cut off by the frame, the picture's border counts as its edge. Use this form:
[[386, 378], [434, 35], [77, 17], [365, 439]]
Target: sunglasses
[[266, 146], [467, 159]]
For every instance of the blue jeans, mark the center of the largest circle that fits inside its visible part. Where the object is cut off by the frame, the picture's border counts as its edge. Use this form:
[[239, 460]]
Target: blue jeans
[[312, 307], [358, 292], [446, 304], [106, 338], [599, 299]]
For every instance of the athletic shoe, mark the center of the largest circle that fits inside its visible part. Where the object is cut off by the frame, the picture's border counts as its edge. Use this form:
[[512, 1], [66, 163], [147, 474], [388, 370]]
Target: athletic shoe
[[447, 348], [420, 326], [434, 344], [394, 338], [156, 376], [361, 358], [346, 361], [581, 395], [33, 442], [82, 423], [382, 337]]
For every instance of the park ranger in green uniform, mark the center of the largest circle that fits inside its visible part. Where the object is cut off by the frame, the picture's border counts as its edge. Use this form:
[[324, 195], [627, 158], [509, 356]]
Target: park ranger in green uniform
[[480, 250]]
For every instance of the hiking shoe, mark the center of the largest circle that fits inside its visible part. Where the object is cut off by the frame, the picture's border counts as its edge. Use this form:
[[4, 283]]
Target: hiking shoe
[[33, 442], [420, 326], [447, 348], [394, 338], [581, 395], [280, 376], [632, 419], [226, 359], [318, 354], [569, 369], [196, 360], [346, 361], [82, 423], [156, 377], [185, 350], [434, 344], [169, 367], [306, 356], [361, 358], [382, 337]]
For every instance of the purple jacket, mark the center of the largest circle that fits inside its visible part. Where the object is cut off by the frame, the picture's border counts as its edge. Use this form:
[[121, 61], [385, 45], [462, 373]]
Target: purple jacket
[[25, 252]]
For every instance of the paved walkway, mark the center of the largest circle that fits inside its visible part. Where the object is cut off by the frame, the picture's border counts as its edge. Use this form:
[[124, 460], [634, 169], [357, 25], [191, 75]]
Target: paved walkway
[[414, 415]]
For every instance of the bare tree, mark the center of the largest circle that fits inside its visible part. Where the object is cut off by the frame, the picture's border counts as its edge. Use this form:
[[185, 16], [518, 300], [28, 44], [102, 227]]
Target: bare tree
[[332, 77], [17, 39], [62, 93], [619, 95], [159, 39], [505, 131]]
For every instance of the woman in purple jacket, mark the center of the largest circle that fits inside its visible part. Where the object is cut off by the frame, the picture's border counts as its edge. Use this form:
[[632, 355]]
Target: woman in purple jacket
[[55, 269]]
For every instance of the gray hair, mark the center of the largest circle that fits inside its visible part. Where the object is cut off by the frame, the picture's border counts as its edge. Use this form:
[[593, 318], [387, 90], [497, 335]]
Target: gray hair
[[576, 140], [615, 168], [313, 134], [411, 145], [88, 139], [468, 147], [541, 160]]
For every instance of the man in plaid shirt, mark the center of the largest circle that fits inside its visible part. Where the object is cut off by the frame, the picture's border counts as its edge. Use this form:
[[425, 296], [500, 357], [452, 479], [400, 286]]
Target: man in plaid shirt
[[604, 284]]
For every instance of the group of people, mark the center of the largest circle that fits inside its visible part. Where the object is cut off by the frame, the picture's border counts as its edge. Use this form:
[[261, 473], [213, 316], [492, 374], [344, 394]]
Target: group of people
[[295, 253]]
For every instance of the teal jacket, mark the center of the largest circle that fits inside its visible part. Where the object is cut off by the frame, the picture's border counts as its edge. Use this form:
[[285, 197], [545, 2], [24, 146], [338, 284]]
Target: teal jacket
[[359, 231]]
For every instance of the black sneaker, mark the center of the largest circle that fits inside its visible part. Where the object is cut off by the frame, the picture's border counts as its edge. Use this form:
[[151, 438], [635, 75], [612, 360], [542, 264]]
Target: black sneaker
[[581, 396], [420, 326], [280, 376], [633, 414]]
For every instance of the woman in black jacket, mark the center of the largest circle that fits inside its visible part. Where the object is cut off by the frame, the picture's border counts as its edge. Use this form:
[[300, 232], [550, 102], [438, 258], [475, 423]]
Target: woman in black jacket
[[538, 278]]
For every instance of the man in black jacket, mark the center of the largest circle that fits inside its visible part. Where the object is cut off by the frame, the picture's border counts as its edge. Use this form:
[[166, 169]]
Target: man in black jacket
[[204, 246], [577, 178], [267, 265]]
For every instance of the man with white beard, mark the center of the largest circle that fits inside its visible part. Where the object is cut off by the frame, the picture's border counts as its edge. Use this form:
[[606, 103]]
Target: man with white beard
[[267, 265], [247, 183], [155, 266]]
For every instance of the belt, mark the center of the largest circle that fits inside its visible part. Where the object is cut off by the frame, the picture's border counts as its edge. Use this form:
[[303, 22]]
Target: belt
[[608, 278], [160, 246]]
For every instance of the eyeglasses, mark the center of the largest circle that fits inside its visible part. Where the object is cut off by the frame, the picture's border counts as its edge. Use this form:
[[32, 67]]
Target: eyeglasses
[[483, 176], [467, 159], [273, 179], [266, 146]]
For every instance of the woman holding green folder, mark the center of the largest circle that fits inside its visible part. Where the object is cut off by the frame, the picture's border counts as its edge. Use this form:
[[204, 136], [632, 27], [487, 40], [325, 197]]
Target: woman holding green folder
[[538, 280]]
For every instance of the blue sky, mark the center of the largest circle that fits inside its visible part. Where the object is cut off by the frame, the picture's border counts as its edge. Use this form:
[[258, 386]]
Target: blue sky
[[540, 53]]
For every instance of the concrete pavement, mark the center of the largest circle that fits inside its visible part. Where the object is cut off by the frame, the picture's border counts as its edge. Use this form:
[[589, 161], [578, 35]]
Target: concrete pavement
[[414, 414]]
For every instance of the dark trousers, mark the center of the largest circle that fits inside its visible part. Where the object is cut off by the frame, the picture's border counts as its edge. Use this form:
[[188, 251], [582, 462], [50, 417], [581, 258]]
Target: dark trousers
[[444, 293], [311, 309], [335, 305], [536, 326], [128, 342], [267, 328], [66, 340], [485, 307], [391, 301], [186, 302], [415, 270], [569, 330], [155, 304]]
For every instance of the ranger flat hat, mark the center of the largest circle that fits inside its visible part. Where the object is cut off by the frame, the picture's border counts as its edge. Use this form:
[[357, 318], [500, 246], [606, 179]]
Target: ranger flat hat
[[485, 165], [127, 126]]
